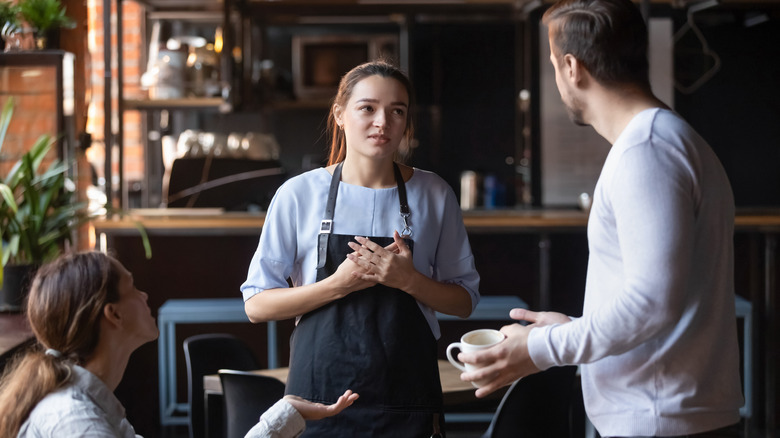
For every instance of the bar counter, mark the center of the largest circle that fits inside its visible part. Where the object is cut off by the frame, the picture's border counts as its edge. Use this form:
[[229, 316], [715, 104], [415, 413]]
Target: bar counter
[[213, 221], [173, 221]]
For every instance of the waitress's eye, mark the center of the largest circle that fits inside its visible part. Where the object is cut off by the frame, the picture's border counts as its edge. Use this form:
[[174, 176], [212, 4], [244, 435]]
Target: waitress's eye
[[367, 108]]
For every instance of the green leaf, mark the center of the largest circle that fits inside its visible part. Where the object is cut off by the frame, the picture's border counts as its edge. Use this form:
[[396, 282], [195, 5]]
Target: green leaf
[[5, 119], [144, 239], [45, 15], [8, 198], [13, 248]]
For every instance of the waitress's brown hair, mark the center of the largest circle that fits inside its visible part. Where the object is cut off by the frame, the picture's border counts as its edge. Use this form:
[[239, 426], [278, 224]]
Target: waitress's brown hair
[[64, 309], [338, 144]]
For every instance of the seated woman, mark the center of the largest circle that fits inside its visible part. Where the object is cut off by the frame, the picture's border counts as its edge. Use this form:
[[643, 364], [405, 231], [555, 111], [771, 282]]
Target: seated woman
[[88, 317]]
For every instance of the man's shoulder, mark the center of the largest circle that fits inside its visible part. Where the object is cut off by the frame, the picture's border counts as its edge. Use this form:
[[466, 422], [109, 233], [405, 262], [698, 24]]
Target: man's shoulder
[[657, 128]]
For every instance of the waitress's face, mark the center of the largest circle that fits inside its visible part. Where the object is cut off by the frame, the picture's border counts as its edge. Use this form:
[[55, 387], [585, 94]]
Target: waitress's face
[[374, 118]]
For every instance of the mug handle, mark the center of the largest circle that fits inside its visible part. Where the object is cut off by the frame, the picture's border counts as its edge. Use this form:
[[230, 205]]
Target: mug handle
[[452, 360]]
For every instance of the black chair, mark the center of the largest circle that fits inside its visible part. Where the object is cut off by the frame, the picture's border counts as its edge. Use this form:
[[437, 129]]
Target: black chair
[[540, 405], [246, 397], [207, 354]]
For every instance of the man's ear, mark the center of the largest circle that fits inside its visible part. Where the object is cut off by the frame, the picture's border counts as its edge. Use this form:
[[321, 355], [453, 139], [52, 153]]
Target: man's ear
[[576, 72], [571, 68], [112, 315]]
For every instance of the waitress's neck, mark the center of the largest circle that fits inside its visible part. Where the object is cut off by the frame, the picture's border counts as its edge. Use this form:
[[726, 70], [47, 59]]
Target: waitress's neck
[[374, 174]]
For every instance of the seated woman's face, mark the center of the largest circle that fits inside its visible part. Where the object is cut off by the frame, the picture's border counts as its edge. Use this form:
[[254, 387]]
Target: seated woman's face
[[138, 320]]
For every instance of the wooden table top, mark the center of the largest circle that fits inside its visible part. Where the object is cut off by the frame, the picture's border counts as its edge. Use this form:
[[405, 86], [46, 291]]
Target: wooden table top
[[455, 391]]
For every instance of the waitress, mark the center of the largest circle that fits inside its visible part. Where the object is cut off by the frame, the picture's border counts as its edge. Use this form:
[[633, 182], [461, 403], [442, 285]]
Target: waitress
[[372, 249]]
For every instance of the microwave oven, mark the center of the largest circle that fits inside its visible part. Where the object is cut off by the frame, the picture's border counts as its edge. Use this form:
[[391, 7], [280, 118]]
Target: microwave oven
[[319, 61]]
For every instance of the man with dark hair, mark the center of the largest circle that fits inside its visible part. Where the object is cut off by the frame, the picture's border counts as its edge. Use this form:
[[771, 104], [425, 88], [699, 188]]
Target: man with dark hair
[[657, 341]]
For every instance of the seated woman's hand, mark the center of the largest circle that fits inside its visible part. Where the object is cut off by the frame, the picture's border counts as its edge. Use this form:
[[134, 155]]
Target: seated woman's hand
[[317, 411]]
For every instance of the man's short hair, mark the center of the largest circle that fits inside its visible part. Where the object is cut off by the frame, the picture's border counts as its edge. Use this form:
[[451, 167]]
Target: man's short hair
[[609, 37]]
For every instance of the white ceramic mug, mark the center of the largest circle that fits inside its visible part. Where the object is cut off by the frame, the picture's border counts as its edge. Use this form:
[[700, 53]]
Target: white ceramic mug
[[474, 340]]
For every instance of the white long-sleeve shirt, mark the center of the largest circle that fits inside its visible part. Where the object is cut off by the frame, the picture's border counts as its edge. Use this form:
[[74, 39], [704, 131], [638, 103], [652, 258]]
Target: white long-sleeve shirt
[[281, 420], [657, 340]]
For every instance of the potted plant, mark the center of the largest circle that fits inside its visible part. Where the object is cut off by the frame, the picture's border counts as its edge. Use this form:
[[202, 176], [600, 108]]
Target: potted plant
[[46, 17], [37, 214], [38, 217]]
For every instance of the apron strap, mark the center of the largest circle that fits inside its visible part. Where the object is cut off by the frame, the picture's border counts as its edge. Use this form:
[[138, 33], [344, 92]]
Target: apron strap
[[405, 212], [326, 226]]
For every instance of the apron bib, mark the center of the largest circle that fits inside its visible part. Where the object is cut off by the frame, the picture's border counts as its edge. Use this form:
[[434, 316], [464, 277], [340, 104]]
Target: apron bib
[[376, 342]]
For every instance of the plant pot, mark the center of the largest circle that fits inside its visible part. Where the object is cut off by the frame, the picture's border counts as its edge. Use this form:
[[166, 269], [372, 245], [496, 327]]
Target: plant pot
[[16, 284], [47, 40], [41, 42]]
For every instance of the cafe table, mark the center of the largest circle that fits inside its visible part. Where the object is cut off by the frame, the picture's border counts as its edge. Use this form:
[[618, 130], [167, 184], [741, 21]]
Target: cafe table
[[199, 311], [454, 390]]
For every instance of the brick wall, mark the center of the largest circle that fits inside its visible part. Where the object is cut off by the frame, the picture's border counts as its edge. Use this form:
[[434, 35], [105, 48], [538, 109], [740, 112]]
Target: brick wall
[[35, 105], [132, 15]]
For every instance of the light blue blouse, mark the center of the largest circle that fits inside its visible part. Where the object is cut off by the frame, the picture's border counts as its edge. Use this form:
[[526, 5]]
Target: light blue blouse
[[288, 243]]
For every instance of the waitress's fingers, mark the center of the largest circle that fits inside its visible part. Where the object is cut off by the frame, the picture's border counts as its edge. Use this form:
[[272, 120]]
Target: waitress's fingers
[[368, 243], [362, 253], [403, 248], [351, 264], [367, 277], [369, 268], [371, 248], [393, 248], [359, 260], [345, 279]]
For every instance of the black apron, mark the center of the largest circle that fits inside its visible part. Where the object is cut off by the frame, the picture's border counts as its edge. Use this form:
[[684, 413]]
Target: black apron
[[375, 342]]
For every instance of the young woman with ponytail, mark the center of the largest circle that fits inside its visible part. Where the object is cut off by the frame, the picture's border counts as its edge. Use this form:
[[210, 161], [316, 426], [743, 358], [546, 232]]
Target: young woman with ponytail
[[87, 317]]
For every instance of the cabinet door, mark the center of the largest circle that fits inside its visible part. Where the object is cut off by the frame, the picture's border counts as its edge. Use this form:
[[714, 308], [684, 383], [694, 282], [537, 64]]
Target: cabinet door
[[464, 74]]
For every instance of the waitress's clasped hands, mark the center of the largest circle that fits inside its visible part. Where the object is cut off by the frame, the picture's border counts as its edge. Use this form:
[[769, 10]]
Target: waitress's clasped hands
[[391, 266], [509, 360]]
